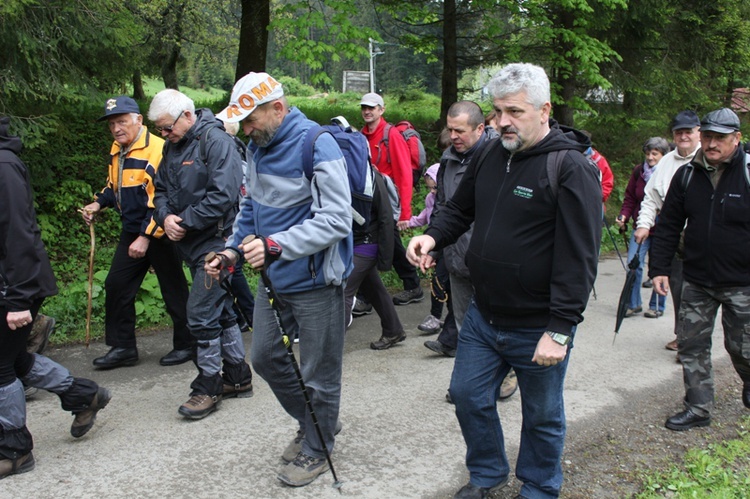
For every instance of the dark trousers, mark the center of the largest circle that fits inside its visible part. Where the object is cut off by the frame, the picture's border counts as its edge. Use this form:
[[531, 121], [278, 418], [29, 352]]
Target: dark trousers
[[124, 280], [405, 270], [13, 346], [366, 279]]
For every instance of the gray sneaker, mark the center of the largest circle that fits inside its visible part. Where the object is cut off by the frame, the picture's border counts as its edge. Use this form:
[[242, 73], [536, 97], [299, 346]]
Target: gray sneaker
[[303, 470], [386, 342], [295, 446], [361, 308], [84, 420], [408, 296], [430, 325]]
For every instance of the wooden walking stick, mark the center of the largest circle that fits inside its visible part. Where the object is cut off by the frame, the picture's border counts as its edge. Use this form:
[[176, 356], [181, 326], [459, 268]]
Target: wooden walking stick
[[91, 275], [91, 283]]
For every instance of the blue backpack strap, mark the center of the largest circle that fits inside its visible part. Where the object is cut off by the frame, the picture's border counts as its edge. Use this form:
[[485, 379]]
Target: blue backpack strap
[[307, 149]]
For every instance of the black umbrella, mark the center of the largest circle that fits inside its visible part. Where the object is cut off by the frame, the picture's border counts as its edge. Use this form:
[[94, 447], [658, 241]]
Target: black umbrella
[[627, 289]]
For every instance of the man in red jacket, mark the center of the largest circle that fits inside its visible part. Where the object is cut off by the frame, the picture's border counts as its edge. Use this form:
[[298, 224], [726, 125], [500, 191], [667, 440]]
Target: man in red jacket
[[394, 161]]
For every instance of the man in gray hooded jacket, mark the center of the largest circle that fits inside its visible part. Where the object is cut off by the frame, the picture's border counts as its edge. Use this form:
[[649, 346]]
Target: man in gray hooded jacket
[[197, 187]]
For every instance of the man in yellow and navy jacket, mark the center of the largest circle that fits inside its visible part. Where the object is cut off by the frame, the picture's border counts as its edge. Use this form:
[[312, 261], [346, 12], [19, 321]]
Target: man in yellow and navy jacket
[[134, 159]]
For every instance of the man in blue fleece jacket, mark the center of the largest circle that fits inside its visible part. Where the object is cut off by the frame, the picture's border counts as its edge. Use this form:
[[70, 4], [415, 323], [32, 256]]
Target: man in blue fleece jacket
[[532, 260], [308, 224]]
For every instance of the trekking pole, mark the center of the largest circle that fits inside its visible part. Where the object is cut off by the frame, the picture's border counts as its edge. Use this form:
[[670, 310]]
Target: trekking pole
[[606, 224], [225, 285], [277, 305]]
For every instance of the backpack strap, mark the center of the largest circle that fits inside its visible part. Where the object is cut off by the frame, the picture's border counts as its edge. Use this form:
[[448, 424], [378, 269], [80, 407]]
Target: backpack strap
[[307, 149], [687, 175], [202, 145], [554, 165], [384, 142]]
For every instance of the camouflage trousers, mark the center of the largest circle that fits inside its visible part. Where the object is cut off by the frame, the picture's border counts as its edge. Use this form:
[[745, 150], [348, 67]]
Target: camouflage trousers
[[695, 326]]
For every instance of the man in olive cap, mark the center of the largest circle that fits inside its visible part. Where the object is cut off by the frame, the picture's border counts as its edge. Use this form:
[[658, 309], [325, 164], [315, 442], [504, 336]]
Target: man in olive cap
[[713, 192]]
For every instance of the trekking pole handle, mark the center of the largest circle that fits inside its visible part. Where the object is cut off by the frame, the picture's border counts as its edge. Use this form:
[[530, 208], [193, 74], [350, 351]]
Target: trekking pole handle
[[274, 251]]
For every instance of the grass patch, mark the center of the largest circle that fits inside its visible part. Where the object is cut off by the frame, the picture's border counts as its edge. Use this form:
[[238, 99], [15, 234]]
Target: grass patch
[[718, 471]]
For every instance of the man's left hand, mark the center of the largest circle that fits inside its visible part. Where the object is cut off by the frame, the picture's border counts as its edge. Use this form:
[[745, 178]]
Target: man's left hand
[[173, 229], [549, 352], [139, 247]]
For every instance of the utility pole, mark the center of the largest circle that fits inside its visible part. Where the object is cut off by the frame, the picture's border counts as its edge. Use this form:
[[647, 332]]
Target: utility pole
[[374, 52]]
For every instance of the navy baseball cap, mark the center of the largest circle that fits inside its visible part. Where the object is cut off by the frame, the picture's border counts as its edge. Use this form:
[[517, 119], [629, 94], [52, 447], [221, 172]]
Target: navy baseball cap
[[119, 105], [685, 119]]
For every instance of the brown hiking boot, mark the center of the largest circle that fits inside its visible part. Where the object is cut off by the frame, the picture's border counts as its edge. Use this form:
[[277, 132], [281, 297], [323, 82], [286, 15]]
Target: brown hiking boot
[[40, 332], [509, 385], [84, 420], [10, 467], [199, 406], [239, 391]]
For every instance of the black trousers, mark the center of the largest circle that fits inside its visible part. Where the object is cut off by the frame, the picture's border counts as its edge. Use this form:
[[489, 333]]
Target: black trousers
[[405, 270], [124, 280]]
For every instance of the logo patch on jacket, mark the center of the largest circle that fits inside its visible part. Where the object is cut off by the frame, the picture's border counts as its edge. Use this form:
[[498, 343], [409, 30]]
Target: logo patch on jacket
[[523, 192]]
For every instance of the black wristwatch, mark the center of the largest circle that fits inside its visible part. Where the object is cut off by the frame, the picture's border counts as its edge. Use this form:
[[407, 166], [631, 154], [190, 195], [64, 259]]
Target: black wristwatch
[[559, 338]]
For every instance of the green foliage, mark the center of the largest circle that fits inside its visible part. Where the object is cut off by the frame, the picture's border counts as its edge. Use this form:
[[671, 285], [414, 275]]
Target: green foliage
[[721, 470], [313, 32]]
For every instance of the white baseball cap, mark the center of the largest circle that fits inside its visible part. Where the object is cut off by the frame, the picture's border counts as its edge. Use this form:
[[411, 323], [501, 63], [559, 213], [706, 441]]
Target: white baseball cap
[[249, 92], [372, 100]]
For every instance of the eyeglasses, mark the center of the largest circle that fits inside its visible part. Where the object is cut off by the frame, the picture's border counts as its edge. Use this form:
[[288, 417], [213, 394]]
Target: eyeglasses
[[169, 128]]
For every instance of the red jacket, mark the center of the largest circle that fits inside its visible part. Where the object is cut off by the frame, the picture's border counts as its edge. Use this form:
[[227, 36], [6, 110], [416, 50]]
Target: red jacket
[[608, 180], [399, 168]]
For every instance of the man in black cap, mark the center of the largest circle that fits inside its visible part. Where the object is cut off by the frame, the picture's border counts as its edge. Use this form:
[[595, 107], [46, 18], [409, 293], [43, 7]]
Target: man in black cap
[[134, 159], [712, 192], [685, 133]]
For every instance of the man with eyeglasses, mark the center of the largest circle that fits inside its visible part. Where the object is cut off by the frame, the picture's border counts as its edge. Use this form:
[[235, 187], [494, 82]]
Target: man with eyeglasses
[[134, 159], [197, 188], [712, 192]]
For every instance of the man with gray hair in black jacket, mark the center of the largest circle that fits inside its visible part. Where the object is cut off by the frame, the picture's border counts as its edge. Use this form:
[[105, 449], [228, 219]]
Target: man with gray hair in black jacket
[[532, 260]]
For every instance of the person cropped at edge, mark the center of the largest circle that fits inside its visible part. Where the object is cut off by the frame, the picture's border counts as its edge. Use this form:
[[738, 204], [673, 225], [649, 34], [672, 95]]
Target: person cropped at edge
[[393, 161], [197, 188], [685, 126], [134, 159], [711, 194], [532, 274], [304, 229], [655, 148], [26, 279]]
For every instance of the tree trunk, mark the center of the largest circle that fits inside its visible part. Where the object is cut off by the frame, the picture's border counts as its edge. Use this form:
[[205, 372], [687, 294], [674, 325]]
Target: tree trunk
[[256, 15], [564, 79], [138, 93], [449, 91], [169, 68]]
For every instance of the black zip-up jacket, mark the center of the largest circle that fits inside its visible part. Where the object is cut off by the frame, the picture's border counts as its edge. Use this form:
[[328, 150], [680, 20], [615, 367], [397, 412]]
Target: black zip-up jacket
[[717, 235], [532, 257], [25, 272], [203, 195]]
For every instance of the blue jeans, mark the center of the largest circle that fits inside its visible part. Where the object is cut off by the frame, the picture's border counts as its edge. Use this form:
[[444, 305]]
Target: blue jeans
[[485, 355], [635, 295], [317, 317]]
